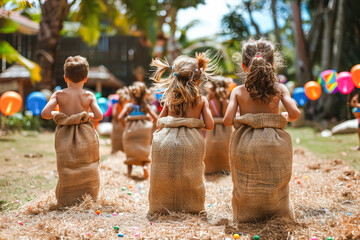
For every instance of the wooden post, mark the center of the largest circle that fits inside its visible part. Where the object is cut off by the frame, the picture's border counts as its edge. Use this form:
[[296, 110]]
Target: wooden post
[[21, 89], [98, 86]]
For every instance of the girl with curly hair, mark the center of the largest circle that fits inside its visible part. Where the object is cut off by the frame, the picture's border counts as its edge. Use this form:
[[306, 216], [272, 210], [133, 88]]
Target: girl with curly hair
[[260, 149]]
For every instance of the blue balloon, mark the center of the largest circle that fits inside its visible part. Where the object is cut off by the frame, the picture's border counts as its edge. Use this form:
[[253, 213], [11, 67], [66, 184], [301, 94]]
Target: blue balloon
[[299, 96], [158, 96], [113, 101], [57, 88], [36, 102], [103, 104]]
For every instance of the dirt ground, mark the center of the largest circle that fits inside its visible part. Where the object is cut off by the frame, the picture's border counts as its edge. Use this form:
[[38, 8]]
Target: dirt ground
[[325, 195]]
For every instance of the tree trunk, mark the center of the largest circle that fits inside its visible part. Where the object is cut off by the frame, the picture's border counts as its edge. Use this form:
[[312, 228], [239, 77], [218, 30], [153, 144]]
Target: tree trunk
[[248, 4], [315, 33], [53, 14], [338, 34], [303, 65], [326, 52], [277, 30]]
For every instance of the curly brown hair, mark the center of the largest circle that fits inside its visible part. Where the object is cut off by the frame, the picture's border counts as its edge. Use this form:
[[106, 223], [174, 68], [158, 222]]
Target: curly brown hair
[[181, 87], [261, 59]]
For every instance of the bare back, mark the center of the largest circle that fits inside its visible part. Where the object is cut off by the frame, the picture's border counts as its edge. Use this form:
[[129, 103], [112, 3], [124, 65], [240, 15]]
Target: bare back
[[201, 108], [217, 107], [248, 105], [73, 101]]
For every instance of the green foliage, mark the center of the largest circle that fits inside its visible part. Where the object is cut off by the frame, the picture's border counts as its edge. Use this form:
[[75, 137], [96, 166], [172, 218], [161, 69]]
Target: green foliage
[[11, 56], [8, 26], [19, 122], [235, 25]]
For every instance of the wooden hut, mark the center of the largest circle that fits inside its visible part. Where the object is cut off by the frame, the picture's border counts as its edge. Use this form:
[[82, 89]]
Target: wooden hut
[[100, 77], [16, 78]]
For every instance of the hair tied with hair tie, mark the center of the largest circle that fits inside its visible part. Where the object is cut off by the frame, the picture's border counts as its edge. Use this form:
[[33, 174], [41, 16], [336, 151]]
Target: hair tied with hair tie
[[170, 67], [176, 74], [258, 56]]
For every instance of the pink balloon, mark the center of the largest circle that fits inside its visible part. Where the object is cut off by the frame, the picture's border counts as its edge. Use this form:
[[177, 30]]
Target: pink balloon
[[108, 112], [345, 83]]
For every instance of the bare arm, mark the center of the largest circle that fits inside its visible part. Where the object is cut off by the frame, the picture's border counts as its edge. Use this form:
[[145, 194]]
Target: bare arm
[[231, 109], [164, 112], [151, 112], [123, 114], [207, 116], [114, 109], [95, 108], [50, 106], [289, 104]]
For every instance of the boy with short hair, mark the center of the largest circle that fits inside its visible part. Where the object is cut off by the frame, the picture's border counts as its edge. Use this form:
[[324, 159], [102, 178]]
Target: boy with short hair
[[76, 141]]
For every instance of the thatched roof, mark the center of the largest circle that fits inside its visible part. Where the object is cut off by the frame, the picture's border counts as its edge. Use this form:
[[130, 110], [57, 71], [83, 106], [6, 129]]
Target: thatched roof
[[25, 25], [103, 75], [15, 72]]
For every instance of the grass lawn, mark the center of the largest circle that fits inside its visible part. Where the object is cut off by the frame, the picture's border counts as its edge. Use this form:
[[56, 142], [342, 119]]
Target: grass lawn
[[327, 148], [28, 166]]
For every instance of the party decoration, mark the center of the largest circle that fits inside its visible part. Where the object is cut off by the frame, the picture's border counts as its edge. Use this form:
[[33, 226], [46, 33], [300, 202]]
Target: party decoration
[[282, 78], [345, 83], [36, 102], [355, 74], [114, 98], [232, 85], [47, 93], [299, 96], [98, 95], [327, 79], [103, 104], [10, 103], [312, 90]]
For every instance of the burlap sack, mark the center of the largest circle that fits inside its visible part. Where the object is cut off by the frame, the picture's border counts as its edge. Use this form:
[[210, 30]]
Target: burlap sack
[[261, 165], [77, 154], [217, 148], [117, 134], [177, 168], [137, 140]]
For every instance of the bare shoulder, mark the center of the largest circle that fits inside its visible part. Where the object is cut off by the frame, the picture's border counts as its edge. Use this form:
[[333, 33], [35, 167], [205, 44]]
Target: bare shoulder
[[203, 100], [282, 88], [88, 94]]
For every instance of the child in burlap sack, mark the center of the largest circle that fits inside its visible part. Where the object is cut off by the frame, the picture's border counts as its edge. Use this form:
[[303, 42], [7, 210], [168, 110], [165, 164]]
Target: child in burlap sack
[[118, 129], [178, 148], [217, 140], [76, 141], [260, 150], [138, 128]]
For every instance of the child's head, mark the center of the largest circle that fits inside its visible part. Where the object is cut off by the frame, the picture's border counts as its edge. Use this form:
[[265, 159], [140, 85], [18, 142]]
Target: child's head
[[259, 60], [182, 85], [76, 69], [123, 94], [138, 93], [219, 87]]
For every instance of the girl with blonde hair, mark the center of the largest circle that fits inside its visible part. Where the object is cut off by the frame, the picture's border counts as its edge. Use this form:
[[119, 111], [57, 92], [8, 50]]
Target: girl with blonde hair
[[138, 128], [260, 149], [178, 148]]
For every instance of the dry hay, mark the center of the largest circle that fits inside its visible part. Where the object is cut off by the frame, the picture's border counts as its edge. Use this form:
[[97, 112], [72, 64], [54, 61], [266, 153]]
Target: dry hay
[[325, 195]]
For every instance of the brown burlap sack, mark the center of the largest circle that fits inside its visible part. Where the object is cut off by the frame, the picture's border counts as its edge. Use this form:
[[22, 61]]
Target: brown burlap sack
[[177, 168], [261, 165], [77, 154], [137, 140], [217, 148], [117, 134]]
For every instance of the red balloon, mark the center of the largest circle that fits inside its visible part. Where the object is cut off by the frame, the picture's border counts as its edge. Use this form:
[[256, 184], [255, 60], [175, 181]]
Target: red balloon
[[312, 90], [10, 103], [355, 74]]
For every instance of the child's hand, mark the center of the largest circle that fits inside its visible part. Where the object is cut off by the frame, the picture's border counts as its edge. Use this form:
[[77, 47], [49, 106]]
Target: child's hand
[[285, 115], [91, 115]]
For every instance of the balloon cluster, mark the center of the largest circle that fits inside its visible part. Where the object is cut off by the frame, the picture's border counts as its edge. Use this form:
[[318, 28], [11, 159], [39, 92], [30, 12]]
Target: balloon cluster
[[331, 82]]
